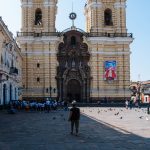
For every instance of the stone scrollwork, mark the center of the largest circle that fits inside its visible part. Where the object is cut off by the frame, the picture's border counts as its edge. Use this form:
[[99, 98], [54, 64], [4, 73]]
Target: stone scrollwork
[[73, 58]]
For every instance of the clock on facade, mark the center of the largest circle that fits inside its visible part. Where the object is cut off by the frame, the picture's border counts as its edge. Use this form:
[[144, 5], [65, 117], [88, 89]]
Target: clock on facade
[[72, 16]]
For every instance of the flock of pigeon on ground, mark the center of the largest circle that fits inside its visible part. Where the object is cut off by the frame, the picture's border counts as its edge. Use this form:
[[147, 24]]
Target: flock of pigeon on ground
[[120, 113]]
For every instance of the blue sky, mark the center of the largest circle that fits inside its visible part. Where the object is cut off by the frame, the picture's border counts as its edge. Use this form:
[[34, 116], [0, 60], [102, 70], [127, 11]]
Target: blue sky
[[138, 23]]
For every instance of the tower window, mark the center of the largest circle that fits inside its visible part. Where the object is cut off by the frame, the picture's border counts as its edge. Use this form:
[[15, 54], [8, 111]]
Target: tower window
[[38, 79], [73, 40], [108, 17], [38, 17], [46, 90], [38, 65], [1, 59]]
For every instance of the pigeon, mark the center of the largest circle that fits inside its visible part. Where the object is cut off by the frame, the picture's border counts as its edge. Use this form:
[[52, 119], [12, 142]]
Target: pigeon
[[147, 118], [141, 117], [110, 109], [117, 113]]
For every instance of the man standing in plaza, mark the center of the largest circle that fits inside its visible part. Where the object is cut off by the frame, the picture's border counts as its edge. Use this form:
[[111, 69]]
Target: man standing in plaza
[[74, 117]]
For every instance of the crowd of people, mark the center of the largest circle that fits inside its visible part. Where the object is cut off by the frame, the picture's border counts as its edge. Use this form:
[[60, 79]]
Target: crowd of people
[[47, 105], [132, 102]]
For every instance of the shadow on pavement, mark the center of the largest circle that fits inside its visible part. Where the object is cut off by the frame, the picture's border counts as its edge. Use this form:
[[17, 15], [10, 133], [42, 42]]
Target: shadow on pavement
[[51, 131]]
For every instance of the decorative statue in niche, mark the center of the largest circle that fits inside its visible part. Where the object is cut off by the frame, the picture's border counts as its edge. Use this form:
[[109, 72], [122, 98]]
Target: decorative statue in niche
[[73, 63]]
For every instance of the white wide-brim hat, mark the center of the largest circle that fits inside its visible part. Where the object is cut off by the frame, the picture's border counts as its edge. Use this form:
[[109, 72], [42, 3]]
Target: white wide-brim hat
[[74, 102]]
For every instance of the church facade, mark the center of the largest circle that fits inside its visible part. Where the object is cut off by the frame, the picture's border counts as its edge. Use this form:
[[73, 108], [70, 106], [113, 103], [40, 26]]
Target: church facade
[[75, 64]]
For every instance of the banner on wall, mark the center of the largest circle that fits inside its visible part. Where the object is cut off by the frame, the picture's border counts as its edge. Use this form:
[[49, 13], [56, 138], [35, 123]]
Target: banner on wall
[[110, 70]]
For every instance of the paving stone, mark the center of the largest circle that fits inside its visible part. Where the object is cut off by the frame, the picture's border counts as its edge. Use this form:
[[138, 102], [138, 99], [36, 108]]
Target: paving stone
[[105, 131]]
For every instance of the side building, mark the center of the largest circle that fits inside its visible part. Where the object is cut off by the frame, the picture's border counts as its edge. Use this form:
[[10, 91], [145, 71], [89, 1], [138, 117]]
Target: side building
[[10, 66], [140, 91], [86, 65]]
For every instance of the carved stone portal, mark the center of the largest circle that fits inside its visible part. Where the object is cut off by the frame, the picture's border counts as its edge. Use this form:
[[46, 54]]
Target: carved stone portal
[[73, 73]]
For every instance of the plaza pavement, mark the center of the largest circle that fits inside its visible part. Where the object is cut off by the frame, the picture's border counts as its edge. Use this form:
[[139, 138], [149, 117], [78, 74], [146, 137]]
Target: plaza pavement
[[100, 129]]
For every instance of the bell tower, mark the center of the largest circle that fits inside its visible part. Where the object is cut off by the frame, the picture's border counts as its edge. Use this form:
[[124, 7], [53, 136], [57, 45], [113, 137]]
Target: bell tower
[[38, 39], [38, 15], [109, 46], [105, 16]]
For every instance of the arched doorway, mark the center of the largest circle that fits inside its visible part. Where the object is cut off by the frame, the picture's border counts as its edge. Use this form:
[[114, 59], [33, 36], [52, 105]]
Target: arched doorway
[[4, 94], [10, 90], [74, 90]]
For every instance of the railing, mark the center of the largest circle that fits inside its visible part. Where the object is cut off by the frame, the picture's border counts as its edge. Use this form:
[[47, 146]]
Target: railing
[[90, 34], [111, 35], [40, 34]]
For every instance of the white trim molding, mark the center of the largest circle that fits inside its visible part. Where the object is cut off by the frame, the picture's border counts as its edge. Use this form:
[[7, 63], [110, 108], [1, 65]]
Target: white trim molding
[[49, 4], [45, 39], [93, 5], [39, 52], [111, 53], [120, 5], [27, 4]]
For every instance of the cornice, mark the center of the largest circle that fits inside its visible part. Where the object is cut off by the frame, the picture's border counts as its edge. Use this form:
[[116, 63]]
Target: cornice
[[111, 53], [6, 30], [46, 40], [45, 4], [39, 52]]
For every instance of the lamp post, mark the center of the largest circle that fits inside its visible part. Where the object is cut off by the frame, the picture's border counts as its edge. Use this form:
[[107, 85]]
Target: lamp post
[[139, 91], [138, 94], [50, 91]]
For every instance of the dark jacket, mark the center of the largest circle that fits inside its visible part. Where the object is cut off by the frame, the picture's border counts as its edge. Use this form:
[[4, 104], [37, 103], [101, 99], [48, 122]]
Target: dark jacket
[[75, 113]]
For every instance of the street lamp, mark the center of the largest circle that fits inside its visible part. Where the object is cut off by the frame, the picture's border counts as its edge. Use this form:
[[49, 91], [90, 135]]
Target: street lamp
[[50, 89], [139, 87]]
